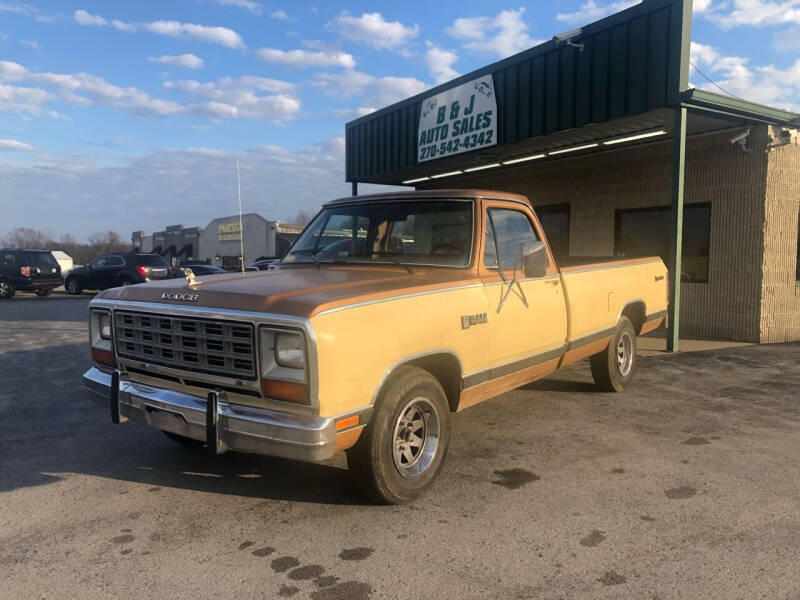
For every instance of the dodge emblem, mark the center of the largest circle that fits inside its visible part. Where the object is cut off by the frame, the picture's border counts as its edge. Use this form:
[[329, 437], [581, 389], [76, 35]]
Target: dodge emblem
[[186, 297]]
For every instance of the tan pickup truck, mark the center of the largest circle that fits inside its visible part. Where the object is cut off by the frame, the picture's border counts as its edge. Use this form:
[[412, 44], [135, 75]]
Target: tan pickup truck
[[389, 313]]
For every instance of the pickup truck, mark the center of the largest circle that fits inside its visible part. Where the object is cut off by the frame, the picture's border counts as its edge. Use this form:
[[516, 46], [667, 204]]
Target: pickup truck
[[389, 313]]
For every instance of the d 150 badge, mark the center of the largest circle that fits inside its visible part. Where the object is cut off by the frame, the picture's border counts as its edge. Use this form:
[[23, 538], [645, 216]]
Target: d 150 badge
[[468, 321]]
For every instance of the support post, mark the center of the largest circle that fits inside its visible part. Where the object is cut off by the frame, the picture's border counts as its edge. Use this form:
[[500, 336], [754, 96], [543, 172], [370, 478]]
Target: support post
[[355, 188], [676, 229]]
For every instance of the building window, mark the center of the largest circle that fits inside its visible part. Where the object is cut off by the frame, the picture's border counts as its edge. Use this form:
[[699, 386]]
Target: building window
[[555, 222], [646, 231]]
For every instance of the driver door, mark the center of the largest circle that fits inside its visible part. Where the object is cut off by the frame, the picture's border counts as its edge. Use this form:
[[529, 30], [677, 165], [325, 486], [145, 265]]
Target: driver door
[[527, 316]]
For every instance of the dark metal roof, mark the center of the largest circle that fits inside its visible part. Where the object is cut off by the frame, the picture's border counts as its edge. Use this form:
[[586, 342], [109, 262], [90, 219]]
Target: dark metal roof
[[736, 107], [633, 62]]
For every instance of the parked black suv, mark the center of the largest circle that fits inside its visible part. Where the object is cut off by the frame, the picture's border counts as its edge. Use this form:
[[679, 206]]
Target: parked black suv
[[113, 270], [28, 271]]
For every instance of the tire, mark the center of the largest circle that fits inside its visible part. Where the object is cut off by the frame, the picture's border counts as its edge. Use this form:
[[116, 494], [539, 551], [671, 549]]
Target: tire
[[405, 444], [614, 367], [182, 440], [6, 290], [73, 286], [43, 293]]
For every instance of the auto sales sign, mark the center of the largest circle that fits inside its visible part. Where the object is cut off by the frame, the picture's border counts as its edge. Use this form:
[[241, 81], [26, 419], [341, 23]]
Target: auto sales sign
[[458, 120]]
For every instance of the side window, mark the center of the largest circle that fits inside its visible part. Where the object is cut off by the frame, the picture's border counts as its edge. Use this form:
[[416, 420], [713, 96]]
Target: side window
[[114, 261], [7, 260], [511, 228], [99, 262], [489, 248]]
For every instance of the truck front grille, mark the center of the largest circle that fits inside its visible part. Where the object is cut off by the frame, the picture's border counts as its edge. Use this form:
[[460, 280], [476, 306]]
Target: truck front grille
[[200, 345]]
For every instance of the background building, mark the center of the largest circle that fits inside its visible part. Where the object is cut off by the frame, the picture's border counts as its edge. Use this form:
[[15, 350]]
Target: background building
[[620, 157], [219, 242]]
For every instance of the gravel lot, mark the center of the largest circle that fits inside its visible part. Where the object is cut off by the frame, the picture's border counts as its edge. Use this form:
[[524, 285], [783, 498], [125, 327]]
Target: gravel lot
[[687, 486]]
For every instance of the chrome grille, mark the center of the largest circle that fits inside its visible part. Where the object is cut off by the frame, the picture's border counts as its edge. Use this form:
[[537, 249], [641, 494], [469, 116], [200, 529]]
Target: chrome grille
[[201, 345]]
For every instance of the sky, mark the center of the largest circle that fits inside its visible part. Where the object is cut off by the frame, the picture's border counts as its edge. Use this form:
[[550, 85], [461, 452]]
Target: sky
[[131, 115]]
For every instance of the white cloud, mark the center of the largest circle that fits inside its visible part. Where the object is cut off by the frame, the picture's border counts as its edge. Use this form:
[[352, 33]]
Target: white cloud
[[787, 40], [11, 71], [72, 194], [734, 74], [756, 13], [253, 7], [186, 61], [84, 18], [246, 97], [30, 43], [440, 63], [306, 58], [9, 144], [215, 35], [591, 11], [279, 15], [503, 35], [22, 100], [375, 90], [373, 30], [702, 6], [354, 113]]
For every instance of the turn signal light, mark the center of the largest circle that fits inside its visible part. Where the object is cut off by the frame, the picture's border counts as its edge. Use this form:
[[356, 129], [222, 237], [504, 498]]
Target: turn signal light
[[25, 271], [103, 357], [142, 271], [348, 422], [285, 390]]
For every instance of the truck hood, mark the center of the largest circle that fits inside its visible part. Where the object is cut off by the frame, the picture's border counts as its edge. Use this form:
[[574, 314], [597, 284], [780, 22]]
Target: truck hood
[[301, 291]]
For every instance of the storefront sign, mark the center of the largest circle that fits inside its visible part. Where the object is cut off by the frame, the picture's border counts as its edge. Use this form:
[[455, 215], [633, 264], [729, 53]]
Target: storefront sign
[[458, 120], [229, 232]]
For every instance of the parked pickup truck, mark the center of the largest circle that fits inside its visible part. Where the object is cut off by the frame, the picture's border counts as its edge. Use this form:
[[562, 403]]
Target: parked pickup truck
[[388, 313]]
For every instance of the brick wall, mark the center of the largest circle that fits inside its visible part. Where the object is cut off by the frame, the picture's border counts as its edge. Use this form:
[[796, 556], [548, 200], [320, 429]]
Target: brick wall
[[729, 305], [780, 315]]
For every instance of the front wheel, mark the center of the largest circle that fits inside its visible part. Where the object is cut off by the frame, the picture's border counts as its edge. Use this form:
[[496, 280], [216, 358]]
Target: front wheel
[[404, 446], [6, 290], [613, 368], [73, 287]]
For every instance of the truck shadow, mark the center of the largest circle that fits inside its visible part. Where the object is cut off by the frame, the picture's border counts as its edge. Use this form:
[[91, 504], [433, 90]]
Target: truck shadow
[[560, 385], [50, 430]]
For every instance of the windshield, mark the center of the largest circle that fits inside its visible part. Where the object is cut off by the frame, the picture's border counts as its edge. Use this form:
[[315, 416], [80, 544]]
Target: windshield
[[431, 233]]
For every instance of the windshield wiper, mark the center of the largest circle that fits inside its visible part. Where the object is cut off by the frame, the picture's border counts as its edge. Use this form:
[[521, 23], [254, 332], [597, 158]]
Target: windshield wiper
[[311, 255], [398, 263]]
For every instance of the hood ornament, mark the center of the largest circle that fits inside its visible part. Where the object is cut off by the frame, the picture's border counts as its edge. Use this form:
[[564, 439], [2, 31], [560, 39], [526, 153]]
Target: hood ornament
[[188, 274]]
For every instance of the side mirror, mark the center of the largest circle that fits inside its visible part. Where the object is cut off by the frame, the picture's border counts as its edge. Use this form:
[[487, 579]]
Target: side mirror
[[534, 259]]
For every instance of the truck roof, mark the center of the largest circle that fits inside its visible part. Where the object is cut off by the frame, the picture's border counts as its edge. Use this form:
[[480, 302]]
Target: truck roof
[[420, 194]]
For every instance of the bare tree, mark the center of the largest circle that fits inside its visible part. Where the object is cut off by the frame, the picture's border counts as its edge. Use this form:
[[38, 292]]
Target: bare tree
[[303, 217], [26, 237]]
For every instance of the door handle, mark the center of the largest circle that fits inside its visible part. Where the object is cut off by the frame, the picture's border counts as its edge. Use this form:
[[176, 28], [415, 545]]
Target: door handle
[[552, 282]]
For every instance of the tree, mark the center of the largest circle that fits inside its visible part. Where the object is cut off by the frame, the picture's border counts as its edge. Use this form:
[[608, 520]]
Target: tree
[[303, 217]]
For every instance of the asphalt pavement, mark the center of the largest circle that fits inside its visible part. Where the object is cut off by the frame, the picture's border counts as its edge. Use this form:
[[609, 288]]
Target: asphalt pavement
[[686, 486]]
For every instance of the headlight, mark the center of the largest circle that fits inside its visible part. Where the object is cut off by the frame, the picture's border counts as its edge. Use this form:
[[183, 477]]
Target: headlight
[[290, 350], [105, 326], [100, 337]]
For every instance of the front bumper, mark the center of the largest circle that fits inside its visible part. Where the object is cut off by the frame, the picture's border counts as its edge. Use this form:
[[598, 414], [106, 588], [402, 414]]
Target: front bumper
[[230, 426]]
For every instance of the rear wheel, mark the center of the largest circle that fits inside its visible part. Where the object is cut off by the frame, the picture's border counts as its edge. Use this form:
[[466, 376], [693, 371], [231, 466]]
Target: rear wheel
[[124, 282], [404, 446], [42, 293], [6, 290], [183, 440], [613, 368], [73, 287]]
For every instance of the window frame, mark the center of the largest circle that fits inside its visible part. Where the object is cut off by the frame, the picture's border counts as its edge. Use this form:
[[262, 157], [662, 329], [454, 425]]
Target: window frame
[[490, 222]]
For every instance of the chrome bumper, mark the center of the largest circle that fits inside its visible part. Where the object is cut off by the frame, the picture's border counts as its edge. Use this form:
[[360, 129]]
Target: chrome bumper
[[230, 426]]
